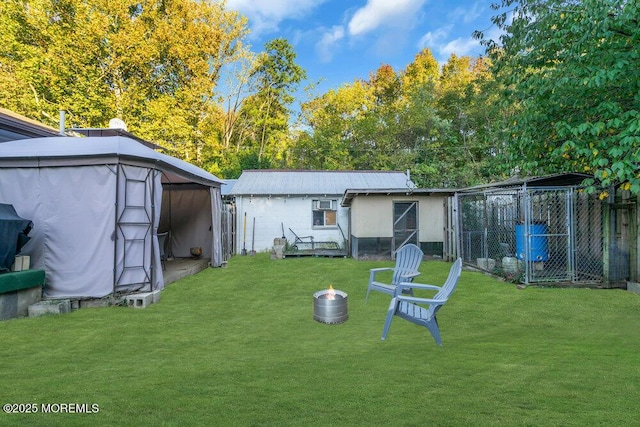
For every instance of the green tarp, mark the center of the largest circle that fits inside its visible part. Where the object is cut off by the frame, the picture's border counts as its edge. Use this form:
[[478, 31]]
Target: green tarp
[[10, 282]]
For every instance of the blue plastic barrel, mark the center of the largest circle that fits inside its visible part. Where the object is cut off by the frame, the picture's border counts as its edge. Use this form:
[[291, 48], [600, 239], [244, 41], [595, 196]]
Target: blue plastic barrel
[[538, 246]]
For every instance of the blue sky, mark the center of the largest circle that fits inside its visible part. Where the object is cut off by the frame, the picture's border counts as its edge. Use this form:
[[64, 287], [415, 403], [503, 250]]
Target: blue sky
[[338, 41]]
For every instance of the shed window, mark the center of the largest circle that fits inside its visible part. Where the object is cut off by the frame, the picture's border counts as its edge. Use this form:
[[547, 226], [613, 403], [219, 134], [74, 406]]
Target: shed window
[[324, 212]]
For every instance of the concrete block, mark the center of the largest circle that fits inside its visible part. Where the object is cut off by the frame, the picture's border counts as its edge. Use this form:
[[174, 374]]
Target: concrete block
[[8, 305], [16, 303], [141, 300], [633, 287], [156, 296], [27, 297], [21, 262], [53, 306], [94, 303], [486, 263], [278, 251]]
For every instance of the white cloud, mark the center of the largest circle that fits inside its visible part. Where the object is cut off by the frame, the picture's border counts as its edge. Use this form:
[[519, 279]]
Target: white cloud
[[460, 46], [434, 38], [467, 14], [384, 13], [327, 44], [442, 47], [266, 16]]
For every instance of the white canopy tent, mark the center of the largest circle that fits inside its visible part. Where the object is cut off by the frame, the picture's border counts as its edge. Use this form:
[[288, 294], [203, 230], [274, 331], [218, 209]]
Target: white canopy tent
[[97, 204]]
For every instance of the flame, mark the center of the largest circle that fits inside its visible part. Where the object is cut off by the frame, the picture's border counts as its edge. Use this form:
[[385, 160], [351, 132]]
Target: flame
[[331, 294]]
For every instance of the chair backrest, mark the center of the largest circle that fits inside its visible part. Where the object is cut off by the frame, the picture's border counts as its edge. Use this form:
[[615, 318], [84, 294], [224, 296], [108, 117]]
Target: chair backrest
[[449, 286], [408, 258]]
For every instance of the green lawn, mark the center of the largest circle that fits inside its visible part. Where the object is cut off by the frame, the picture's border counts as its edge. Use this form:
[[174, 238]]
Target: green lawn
[[239, 346]]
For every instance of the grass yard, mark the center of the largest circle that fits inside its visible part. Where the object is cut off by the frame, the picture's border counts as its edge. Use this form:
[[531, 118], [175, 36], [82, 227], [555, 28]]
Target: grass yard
[[239, 346]]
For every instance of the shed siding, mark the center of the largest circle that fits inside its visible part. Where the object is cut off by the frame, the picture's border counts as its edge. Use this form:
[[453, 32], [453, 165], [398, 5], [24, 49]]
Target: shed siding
[[372, 216], [273, 213], [432, 214]]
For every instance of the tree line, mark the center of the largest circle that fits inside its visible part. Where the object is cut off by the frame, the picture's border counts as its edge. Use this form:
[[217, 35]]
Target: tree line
[[559, 91]]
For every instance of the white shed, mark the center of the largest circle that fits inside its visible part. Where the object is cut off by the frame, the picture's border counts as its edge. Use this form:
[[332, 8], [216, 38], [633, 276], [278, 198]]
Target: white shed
[[97, 204], [290, 203]]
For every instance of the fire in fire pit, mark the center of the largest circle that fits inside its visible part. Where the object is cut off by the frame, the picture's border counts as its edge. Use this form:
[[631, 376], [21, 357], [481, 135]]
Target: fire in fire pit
[[330, 306]]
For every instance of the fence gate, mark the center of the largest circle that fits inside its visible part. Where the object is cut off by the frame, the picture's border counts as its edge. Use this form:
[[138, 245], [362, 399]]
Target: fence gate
[[543, 237], [405, 225]]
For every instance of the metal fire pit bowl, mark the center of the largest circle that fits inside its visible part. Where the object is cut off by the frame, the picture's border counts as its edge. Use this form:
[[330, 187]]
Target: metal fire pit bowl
[[330, 311]]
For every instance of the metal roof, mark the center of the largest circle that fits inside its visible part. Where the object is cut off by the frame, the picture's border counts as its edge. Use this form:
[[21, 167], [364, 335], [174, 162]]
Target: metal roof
[[351, 194], [308, 182], [116, 132], [561, 179], [14, 126], [228, 186], [69, 151]]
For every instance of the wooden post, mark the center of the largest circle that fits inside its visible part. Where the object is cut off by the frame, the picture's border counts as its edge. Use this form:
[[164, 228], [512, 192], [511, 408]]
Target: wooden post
[[606, 244]]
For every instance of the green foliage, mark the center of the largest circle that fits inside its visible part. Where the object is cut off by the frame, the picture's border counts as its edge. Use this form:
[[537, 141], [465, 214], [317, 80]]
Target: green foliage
[[155, 64], [438, 124], [266, 113], [571, 72], [239, 346], [330, 119]]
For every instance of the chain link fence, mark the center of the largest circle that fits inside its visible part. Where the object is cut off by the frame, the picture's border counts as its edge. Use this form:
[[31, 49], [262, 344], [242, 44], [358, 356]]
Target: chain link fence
[[533, 235]]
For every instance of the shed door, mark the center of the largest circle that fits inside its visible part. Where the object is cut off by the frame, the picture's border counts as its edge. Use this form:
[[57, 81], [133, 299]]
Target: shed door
[[405, 225]]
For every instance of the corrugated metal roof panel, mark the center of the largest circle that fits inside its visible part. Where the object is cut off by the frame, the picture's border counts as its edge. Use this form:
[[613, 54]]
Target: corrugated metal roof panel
[[560, 179], [226, 189], [298, 182]]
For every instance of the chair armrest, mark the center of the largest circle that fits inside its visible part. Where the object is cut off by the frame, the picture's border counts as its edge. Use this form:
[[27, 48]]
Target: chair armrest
[[417, 300], [407, 285], [375, 270], [410, 274]]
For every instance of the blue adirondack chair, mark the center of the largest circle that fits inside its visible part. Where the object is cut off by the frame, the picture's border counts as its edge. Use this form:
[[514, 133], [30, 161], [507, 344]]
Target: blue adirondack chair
[[408, 260], [409, 307]]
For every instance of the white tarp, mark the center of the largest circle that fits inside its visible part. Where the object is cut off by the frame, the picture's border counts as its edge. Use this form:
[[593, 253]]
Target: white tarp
[[136, 219], [73, 215], [85, 194]]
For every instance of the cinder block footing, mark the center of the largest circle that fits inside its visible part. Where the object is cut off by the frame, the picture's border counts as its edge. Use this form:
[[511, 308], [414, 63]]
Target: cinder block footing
[[633, 287], [54, 306], [143, 299]]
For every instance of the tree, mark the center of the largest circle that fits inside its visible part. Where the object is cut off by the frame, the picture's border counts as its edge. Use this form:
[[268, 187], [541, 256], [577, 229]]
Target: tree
[[571, 73], [423, 70], [436, 124], [465, 101], [331, 121], [153, 63], [266, 112]]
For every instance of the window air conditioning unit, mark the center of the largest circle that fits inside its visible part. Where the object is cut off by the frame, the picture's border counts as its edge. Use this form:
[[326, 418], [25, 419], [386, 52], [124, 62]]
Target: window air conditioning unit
[[324, 204]]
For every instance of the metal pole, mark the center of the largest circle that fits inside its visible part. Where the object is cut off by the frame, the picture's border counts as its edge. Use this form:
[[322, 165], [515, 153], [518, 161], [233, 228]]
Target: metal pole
[[62, 122]]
